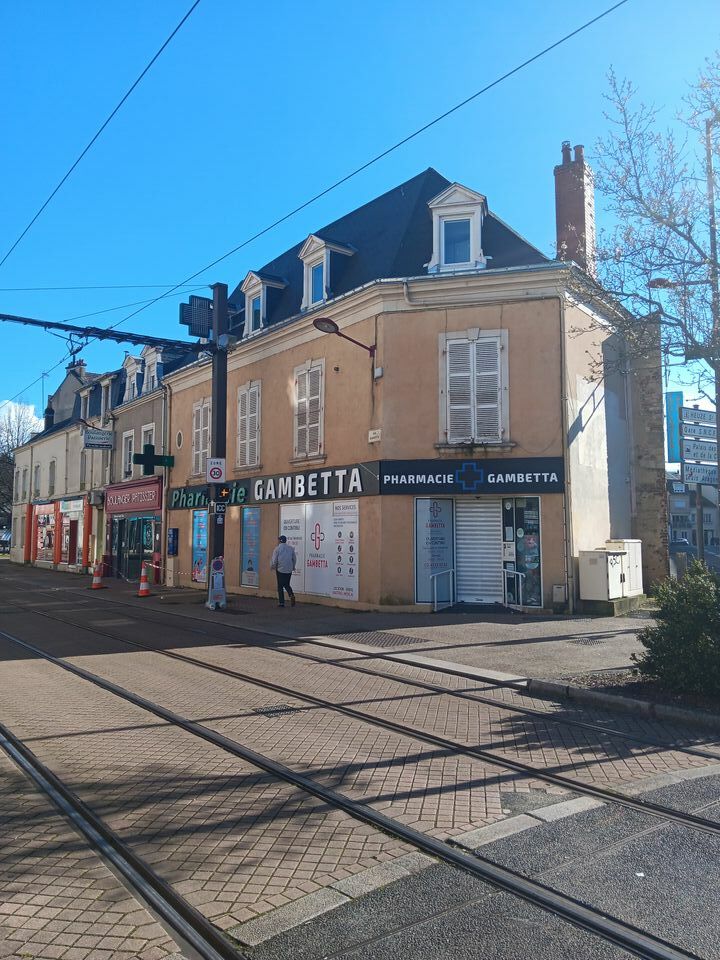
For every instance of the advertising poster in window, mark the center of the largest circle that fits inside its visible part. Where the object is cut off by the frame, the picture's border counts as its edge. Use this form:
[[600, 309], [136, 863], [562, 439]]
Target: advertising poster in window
[[199, 546], [326, 539], [434, 535], [292, 526], [250, 559], [45, 535], [522, 535]]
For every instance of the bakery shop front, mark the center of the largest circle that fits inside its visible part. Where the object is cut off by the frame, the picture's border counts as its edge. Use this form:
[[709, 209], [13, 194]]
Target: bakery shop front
[[134, 528]]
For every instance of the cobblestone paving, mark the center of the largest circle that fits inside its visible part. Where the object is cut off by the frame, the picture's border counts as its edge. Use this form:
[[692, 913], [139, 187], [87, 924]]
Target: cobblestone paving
[[232, 840], [57, 899]]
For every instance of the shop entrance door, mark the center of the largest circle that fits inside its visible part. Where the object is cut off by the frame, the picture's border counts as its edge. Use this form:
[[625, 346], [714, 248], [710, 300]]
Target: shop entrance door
[[135, 539], [478, 551]]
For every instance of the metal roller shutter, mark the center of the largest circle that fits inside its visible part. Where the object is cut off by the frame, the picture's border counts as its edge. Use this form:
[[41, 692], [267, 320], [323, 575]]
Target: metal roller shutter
[[478, 551]]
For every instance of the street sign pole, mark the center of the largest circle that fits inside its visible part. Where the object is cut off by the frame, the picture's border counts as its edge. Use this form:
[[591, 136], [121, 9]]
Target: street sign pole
[[218, 430], [699, 522]]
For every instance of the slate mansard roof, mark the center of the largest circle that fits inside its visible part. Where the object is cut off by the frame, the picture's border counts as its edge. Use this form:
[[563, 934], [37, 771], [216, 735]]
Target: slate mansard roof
[[392, 237]]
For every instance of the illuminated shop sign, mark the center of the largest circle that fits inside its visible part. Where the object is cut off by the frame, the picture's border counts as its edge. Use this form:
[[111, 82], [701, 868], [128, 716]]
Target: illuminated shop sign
[[511, 475]]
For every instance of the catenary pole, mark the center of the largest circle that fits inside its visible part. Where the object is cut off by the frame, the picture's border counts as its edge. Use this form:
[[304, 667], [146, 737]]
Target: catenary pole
[[218, 429]]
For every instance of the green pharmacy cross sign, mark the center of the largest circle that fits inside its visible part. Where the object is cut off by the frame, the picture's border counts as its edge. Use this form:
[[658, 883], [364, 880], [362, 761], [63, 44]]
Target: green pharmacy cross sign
[[150, 460]]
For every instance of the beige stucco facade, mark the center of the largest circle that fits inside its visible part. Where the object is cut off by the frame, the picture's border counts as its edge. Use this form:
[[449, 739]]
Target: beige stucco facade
[[551, 405]]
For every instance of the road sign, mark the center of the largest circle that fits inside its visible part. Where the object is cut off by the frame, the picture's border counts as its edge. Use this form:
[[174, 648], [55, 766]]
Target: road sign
[[701, 431], [699, 450], [215, 470], [218, 597], [220, 507], [697, 416], [699, 473], [94, 439]]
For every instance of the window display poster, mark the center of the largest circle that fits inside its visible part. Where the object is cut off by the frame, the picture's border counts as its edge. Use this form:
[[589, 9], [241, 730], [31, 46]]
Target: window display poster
[[434, 536], [250, 559], [329, 549], [46, 536], [199, 546], [292, 526], [525, 512]]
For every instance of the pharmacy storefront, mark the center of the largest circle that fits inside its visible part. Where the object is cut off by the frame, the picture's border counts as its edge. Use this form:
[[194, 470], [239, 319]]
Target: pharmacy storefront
[[477, 526], [483, 531]]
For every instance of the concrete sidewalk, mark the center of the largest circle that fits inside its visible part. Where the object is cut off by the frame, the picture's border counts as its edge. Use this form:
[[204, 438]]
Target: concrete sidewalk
[[546, 647]]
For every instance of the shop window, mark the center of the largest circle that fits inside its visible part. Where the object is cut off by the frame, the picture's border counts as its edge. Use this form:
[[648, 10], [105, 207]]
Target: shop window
[[309, 409], [201, 435], [475, 389], [248, 425]]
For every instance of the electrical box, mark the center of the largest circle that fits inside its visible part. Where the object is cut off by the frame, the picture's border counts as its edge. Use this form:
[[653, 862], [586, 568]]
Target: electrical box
[[633, 568], [602, 574]]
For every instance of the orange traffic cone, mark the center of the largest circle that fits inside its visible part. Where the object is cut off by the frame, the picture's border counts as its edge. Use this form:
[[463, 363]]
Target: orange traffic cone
[[97, 583], [144, 590]]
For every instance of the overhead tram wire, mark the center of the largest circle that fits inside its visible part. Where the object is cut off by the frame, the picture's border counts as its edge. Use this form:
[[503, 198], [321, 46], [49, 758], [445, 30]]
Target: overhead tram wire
[[360, 169], [100, 130]]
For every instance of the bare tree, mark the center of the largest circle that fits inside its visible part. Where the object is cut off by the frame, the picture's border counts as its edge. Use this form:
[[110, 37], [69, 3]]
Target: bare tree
[[660, 259], [17, 423]]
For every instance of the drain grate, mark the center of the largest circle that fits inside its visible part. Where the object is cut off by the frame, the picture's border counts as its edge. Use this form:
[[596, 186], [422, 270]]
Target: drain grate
[[377, 638], [275, 710], [587, 641]]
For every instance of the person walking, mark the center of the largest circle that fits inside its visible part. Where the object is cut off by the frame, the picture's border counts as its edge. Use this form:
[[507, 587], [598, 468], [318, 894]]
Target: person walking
[[283, 562]]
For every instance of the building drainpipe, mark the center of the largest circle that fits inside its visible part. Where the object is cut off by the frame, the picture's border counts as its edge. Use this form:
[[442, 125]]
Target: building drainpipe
[[87, 523], [567, 496]]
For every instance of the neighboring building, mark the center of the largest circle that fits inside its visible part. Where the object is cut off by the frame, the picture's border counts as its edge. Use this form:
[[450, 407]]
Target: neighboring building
[[52, 522], [478, 442], [682, 513]]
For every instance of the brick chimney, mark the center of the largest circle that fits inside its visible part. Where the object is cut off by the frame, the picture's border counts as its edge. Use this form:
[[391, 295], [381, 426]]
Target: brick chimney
[[575, 209], [49, 416]]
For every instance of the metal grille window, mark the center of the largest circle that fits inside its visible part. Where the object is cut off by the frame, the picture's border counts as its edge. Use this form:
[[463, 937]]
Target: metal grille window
[[309, 410], [201, 435], [248, 429], [474, 390]]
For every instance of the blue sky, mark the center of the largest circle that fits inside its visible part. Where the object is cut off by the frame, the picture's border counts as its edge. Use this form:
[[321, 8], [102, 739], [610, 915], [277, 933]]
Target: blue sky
[[254, 108]]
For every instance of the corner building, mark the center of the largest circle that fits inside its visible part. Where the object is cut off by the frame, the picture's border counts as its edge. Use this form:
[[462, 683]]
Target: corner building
[[468, 459]]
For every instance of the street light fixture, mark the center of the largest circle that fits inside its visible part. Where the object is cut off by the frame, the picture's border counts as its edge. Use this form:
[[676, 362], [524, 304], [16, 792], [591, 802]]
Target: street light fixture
[[326, 325]]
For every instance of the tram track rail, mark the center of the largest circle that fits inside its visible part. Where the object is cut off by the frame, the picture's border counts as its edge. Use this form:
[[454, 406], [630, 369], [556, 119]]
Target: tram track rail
[[185, 924], [397, 658], [488, 757], [613, 930]]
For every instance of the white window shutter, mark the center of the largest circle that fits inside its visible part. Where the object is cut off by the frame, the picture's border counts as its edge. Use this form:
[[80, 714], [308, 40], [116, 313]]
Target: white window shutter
[[301, 414], [205, 435], [197, 439], [314, 411], [459, 390], [242, 437], [487, 389], [253, 424]]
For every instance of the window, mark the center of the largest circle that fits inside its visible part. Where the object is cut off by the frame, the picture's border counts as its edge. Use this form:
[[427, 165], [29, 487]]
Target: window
[[318, 283], [458, 214], [16, 487], [456, 241], [51, 478], [24, 483], [707, 518], [83, 470], [105, 401], [309, 409], [248, 425], [36, 480], [14, 531], [256, 313], [201, 435], [148, 435], [128, 449], [150, 378], [474, 387], [84, 405]]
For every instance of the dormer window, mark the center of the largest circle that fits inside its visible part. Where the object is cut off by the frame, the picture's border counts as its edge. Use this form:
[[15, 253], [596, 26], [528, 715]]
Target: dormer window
[[321, 260], [317, 275], [256, 313], [84, 406], [261, 291], [456, 241], [458, 215]]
